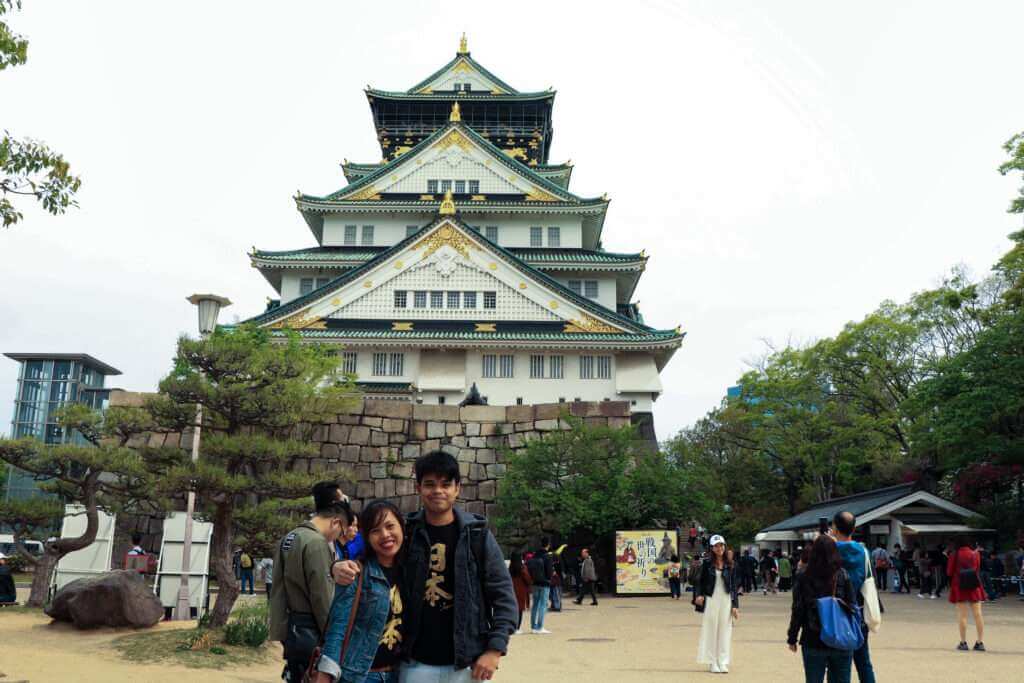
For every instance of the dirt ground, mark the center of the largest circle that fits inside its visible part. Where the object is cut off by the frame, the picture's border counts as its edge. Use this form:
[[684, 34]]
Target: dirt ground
[[625, 639]]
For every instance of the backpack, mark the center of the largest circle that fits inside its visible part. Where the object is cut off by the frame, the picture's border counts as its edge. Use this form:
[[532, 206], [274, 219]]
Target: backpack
[[536, 569], [245, 562], [673, 571]]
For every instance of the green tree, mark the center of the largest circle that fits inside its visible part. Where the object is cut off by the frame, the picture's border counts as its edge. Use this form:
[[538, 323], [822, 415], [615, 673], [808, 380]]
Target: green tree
[[260, 397], [105, 474], [29, 168]]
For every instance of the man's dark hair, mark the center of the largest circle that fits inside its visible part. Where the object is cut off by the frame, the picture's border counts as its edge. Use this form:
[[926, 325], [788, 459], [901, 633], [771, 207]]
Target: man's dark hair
[[337, 509], [438, 463], [545, 542], [844, 522], [325, 493], [136, 538]]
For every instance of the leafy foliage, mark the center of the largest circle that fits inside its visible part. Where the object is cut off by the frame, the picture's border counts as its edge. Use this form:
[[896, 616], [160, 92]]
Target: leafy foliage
[[28, 167], [249, 626]]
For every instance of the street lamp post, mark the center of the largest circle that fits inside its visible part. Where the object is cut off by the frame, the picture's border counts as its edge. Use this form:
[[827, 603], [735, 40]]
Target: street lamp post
[[209, 306]]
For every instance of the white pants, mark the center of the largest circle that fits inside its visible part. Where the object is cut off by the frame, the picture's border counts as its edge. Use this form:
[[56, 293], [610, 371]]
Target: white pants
[[716, 628]]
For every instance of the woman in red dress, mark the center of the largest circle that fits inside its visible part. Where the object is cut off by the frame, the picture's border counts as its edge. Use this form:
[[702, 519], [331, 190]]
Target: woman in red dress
[[960, 565], [521, 583]]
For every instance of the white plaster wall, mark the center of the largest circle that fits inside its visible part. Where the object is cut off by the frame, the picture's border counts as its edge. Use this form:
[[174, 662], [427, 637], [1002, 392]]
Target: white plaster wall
[[513, 229], [606, 284], [290, 281]]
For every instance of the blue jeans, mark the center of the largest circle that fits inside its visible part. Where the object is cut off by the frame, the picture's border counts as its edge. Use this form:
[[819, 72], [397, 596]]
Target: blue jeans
[[414, 672], [247, 577], [818, 661], [382, 677], [862, 662], [539, 607]]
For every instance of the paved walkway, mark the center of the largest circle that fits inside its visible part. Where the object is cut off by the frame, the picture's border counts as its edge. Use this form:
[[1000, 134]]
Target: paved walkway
[[625, 639]]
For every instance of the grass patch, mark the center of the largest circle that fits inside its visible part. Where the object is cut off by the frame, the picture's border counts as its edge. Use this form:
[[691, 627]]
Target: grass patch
[[174, 646], [21, 609]]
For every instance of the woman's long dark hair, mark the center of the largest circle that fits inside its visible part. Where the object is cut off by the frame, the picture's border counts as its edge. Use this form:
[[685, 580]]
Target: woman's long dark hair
[[371, 517], [823, 564], [515, 564]]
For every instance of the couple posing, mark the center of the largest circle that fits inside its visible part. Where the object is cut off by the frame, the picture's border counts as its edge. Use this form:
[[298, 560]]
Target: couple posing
[[431, 603]]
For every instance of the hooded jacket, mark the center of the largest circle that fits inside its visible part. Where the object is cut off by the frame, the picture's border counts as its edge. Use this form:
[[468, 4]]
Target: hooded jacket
[[485, 604]]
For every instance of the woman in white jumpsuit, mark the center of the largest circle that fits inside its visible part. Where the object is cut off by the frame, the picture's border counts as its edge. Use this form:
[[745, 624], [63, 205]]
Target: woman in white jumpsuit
[[716, 593]]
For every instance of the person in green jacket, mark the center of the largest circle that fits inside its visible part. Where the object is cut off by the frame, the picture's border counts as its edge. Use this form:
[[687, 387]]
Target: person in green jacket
[[785, 573], [302, 592]]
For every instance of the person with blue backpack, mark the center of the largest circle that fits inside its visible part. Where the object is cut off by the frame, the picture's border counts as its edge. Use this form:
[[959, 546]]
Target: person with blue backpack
[[824, 618], [857, 564]]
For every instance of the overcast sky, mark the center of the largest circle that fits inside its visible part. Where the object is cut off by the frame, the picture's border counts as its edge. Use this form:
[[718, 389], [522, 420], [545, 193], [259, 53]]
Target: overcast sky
[[787, 166]]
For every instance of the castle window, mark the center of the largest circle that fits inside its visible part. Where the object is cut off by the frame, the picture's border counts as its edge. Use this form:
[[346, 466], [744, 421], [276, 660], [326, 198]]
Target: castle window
[[411, 230], [508, 366], [586, 367], [446, 185], [437, 299], [536, 236], [491, 233], [590, 289], [490, 368], [453, 299], [536, 367], [555, 367], [349, 360], [305, 286], [490, 299], [322, 282], [419, 299], [604, 367], [576, 286], [469, 299], [401, 299], [431, 187], [460, 187], [474, 187], [554, 237], [350, 235], [396, 364], [367, 235], [380, 364]]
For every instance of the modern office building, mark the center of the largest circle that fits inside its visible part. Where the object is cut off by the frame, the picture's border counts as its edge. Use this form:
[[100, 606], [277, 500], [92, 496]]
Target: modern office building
[[462, 257], [47, 381]]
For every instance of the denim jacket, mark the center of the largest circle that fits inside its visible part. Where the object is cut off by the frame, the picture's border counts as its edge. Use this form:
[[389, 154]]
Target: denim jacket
[[366, 631]]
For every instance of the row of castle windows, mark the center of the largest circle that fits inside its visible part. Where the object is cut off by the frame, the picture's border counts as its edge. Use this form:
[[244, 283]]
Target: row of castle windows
[[454, 186], [353, 238], [495, 366], [438, 299]]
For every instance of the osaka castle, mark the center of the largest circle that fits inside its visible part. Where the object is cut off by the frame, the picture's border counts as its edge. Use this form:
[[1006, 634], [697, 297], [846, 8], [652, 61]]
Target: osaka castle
[[462, 257]]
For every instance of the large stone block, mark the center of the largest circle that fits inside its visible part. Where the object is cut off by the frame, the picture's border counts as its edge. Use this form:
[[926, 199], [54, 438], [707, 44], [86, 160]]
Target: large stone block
[[330, 451], [349, 454], [317, 465], [489, 429], [473, 429], [548, 411], [320, 433], [477, 472], [378, 438], [524, 426], [547, 425], [584, 408], [409, 504], [450, 450], [516, 440], [405, 487], [359, 435], [466, 455], [476, 507], [370, 454], [394, 409], [431, 445], [364, 489], [477, 442], [464, 469], [371, 421], [488, 490], [418, 430], [401, 470], [393, 425], [618, 422], [595, 421], [118, 598], [410, 451], [349, 418], [379, 470], [398, 438], [615, 408], [438, 413], [299, 465], [460, 441], [482, 414], [453, 428], [361, 472], [485, 456], [382, 488], [435, 430], [496, 471], [339, 433], [495, 441], [519, 414]]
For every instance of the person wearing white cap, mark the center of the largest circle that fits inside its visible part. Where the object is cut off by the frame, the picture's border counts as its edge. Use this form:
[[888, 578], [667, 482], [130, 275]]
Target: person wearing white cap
[[716, 596]]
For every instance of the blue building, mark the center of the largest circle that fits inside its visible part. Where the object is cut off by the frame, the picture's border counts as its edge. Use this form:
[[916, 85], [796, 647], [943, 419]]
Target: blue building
[[47, 381]]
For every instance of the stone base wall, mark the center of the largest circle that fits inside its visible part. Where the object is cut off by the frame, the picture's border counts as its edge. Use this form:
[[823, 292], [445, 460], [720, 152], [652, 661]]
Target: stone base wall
[[376, 444]]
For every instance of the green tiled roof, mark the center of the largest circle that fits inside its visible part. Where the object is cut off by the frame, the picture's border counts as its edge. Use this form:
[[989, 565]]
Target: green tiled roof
[[510, 163], [472, 62], [654, 336], [471, 95], [532, 255]]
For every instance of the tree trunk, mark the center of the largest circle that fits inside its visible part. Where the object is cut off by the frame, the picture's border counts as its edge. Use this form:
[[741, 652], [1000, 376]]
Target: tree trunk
[[45, 566], [220, 558]]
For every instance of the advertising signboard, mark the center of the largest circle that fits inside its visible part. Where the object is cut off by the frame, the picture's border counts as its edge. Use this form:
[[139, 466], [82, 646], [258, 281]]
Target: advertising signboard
[[641, 558]]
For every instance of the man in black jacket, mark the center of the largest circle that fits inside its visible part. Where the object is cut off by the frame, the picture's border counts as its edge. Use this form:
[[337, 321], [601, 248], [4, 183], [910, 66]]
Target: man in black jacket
[[460, 608], [541, 567]]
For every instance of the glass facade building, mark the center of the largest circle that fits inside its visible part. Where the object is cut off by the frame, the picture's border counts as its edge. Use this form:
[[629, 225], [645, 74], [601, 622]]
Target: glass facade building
[[45, 383]]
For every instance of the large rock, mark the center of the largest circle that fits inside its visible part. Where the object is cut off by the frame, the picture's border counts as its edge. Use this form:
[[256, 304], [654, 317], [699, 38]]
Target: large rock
[[118, 598]]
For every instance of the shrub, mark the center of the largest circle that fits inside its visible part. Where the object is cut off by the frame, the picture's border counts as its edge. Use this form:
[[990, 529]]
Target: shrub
[[250, 626]]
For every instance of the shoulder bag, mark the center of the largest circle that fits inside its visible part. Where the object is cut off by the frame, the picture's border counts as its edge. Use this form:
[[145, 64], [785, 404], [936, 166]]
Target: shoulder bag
[[840, 622], [311, 671], [869, 594], [968, 578]]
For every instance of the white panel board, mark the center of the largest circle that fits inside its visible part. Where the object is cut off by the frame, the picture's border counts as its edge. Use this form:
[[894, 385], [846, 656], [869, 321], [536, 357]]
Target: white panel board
[[91, 560], [168, 576]]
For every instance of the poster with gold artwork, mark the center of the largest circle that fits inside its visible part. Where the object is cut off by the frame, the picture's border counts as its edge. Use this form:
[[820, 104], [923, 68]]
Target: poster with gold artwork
[[641, 558]]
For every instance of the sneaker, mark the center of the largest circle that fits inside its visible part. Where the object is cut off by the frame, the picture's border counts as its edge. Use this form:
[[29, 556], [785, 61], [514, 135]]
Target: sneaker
[[593, 604], [534, 631], [979, 646], [935, 597], [962, 646], [543, 632], [520, 632], [922, 596]]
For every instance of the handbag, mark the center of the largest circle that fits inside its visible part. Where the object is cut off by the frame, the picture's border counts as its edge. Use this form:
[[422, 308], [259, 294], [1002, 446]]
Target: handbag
[[311, 672], [869, 594], [840, 622], [968, 579]]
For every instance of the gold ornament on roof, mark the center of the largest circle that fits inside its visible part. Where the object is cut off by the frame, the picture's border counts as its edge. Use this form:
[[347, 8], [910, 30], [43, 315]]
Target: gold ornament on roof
[[463, 45], [588, 323], [456, 115], [447, 205], [454, 138], [538, 195], [303, 320], [367, 193], [446, 236]]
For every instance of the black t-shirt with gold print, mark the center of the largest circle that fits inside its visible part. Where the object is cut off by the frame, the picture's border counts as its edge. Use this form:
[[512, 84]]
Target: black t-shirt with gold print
[[435, 643], [389, 651]]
